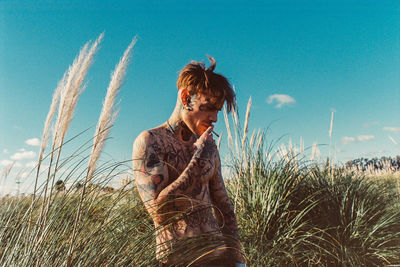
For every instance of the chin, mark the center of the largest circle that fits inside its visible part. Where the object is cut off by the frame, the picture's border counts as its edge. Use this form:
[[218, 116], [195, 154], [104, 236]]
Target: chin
[[199, 131]]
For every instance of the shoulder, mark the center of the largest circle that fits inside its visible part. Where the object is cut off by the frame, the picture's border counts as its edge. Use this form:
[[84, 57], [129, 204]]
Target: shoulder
[[141, 141], [149, 138]]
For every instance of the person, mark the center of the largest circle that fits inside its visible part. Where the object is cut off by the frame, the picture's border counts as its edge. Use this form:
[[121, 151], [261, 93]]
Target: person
[[177, 171]]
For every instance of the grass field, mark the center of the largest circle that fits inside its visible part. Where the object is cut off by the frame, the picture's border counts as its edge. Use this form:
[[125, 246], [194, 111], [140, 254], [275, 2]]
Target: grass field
[[288, 215]]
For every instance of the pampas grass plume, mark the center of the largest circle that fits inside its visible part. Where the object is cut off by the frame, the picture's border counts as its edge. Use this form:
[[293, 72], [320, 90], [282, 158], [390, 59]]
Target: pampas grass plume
[[228, 127], [246, 122], [108, 113], [73, 89], [65, 96]]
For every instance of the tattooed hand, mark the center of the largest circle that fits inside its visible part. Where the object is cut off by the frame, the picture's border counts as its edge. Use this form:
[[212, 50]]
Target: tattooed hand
[[205, 146]]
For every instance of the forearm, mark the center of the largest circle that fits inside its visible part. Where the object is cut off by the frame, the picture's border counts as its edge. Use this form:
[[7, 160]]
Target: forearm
[[188, 180]]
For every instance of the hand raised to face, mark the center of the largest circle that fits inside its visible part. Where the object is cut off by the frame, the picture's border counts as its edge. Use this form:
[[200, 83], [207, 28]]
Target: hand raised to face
[[205, 139], [205, 145]]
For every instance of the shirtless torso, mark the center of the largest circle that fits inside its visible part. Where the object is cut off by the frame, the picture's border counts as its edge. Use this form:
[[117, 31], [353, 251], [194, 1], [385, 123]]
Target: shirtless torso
[[177, 167], [172, 180]]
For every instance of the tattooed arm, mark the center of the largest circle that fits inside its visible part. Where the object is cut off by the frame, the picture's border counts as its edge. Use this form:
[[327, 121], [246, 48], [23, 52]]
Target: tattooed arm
[[151, 174], [224, 211]]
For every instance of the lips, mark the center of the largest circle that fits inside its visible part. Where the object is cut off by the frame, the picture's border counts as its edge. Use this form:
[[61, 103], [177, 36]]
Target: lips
[[203, 127]]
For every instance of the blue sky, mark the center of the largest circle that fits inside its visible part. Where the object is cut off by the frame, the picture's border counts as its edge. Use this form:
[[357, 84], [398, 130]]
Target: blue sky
[[310, 57]]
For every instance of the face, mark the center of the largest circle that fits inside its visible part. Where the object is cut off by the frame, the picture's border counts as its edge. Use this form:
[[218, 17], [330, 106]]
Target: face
[[204, 113]]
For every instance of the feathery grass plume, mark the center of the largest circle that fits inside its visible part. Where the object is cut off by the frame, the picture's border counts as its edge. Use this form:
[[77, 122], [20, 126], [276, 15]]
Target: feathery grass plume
[[73, 89], [228, 128], [66, 92], [392, 139], [108, 113], [291, 148], [301, 146], [45, 134], [219, 141], [260, 137], [246, 124], [106, 119], [72, 92], [252, 138], [7, 170], [331, 128], [65, 98], [314, 151], [237, 128], [330, 136]]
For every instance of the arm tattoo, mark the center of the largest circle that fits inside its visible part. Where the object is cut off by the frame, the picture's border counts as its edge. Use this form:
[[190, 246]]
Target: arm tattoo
[[200, 167], [148, 169]]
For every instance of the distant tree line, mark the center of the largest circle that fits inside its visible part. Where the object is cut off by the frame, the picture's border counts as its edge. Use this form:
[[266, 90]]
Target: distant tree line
[[375, 164]]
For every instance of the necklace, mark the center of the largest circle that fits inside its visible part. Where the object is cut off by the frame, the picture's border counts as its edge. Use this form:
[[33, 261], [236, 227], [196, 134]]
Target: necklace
[[170, 127], [176, 135]]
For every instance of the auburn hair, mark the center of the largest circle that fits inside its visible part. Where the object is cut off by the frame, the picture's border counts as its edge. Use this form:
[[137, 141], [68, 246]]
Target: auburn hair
[[196, 78]]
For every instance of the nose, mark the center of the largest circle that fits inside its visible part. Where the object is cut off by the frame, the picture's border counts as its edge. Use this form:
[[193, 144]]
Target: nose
[[213, 116]]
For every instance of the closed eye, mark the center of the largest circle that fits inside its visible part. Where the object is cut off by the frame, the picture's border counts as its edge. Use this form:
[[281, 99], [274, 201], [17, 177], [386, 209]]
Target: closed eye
[[209, 108]]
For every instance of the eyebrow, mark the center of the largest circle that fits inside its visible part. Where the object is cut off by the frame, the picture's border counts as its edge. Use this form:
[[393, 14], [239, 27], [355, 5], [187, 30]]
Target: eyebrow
[[209, 105]]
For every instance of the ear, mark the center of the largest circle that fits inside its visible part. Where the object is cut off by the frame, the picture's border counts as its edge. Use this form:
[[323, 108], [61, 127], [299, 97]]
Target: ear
[[184, 96]]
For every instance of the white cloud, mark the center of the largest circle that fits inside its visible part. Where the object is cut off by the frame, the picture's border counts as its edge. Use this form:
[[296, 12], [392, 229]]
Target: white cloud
[[5, 151], [369, 124], [347, 140], [8, 189], [24, 174], [23, 155], [21, 149], [362, 138], [392, 129], [6, 162], [280, 100], [33, 142], [30, 164]]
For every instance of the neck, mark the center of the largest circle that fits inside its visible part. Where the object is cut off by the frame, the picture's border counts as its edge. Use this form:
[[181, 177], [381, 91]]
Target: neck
[[177, 125]]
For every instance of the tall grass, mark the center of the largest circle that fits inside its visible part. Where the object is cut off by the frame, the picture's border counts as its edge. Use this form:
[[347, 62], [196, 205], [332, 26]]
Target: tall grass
[[357, 218], [294, 213]]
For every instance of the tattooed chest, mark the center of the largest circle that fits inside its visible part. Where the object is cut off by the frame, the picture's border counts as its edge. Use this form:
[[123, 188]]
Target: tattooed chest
[[177, 158]]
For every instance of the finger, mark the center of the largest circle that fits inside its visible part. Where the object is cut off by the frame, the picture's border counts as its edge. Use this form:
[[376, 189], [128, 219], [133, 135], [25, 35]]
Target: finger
[[207, 133]]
